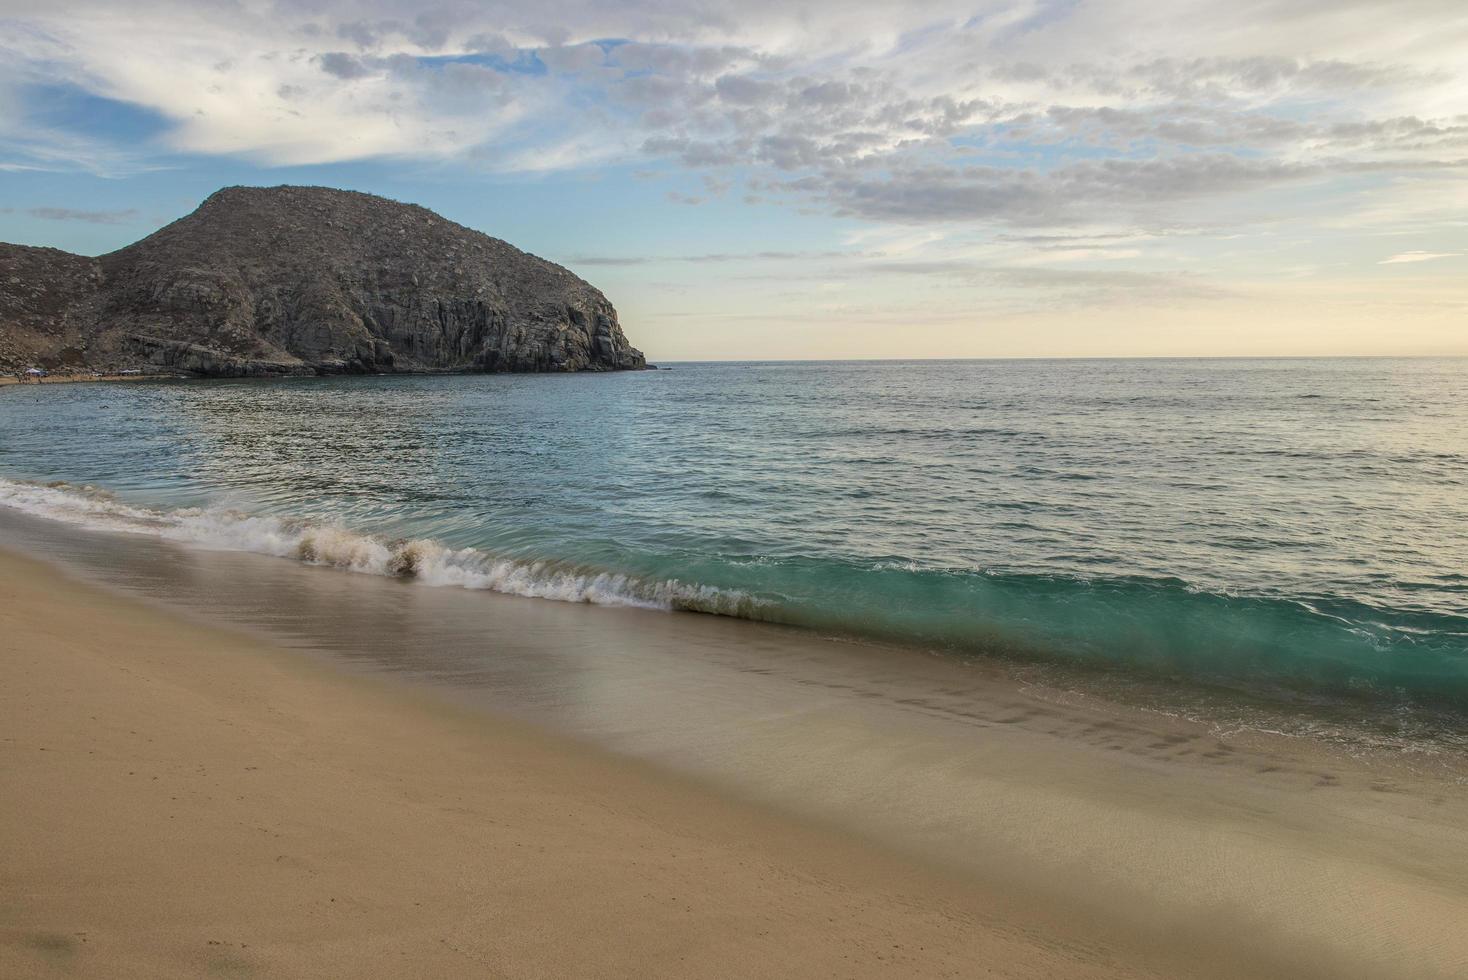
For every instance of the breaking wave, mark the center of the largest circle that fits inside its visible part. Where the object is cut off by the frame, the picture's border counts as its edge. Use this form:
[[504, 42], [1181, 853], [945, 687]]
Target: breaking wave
[[1271, 645], [333, 546]]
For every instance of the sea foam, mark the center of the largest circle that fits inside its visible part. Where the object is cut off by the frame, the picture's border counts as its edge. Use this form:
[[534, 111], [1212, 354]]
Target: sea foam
[[333, 546]]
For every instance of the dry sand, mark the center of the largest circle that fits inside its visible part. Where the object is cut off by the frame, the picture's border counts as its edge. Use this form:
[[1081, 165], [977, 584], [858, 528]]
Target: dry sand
[[177, 800]]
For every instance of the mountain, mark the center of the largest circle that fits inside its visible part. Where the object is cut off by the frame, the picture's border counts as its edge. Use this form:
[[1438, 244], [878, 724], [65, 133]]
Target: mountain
[[305, 280]]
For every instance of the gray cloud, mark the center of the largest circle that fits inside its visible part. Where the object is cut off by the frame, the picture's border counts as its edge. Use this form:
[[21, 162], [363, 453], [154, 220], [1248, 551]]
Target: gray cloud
[[861, 143], [1056, 243], [71, 214], [1401, 134], [711, 258], [1109, 280], [1219, 79], [1006, 285], [1184, 124], [955, 112], [341, 65], [429, 29], [743, 90], [1070, 194]]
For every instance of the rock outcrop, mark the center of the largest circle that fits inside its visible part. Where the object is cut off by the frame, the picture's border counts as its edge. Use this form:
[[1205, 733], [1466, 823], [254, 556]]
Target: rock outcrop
[[305, 280]]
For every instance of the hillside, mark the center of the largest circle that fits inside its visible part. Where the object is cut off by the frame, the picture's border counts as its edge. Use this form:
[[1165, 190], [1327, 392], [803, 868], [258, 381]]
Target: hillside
[[305, 280]]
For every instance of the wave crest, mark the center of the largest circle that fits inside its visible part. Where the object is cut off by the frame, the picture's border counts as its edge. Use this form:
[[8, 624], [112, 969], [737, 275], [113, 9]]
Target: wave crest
[[1279, 646], [329, 545]]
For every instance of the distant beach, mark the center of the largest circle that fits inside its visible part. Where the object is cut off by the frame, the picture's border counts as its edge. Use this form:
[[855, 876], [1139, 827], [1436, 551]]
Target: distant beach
[[81, 378]]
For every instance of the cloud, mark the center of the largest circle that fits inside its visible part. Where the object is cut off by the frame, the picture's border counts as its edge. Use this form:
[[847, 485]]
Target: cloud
[[71, 214], [1093, 283], [711, 258], [339, 64], [1418, 257], [999, 111], [1095, 241], [1065, 195]]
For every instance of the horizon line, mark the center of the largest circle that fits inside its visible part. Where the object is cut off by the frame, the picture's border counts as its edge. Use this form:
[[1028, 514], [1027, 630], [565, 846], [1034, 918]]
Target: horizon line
[[1062, 357]]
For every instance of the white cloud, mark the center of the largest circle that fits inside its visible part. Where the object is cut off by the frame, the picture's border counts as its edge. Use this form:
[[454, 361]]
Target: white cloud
[[1418, 257], [1020, 112]]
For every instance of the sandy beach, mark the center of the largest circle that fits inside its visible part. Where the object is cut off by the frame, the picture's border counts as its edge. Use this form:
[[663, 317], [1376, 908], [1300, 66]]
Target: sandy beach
[[182, 800]]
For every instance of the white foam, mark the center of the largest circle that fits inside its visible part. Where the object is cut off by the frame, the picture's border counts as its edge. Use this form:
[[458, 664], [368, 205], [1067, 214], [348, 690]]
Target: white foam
[[429, 562]]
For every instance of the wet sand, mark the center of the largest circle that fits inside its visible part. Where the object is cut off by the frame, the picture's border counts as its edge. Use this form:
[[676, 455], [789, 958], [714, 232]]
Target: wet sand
[[82, 378], [184, 800]]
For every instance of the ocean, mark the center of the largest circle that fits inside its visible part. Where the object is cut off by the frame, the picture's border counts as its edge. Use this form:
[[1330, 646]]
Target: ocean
[[1291, 530]]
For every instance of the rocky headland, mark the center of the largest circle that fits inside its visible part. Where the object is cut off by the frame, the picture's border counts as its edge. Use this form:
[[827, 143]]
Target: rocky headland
[[266, 281]]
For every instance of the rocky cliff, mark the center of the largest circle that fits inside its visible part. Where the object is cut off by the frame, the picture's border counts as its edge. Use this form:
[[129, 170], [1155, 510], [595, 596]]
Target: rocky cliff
[[305, 280]]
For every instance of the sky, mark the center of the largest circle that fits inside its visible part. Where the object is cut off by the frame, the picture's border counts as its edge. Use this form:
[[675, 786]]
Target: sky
[[749, 179]]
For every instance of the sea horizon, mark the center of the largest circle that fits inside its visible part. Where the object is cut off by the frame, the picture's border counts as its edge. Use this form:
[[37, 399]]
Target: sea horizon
[[1072, 357]]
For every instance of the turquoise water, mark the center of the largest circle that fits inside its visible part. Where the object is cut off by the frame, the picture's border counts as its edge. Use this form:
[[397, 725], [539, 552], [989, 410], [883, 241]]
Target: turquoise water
[[1285, 527]]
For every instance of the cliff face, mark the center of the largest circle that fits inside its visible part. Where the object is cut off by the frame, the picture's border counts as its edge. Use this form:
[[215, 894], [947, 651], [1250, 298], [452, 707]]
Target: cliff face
[[305, 280]]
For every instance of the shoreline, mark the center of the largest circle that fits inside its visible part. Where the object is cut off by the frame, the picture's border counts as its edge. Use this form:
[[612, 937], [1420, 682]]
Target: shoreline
[[10, 380], [1076, 860], [1343, 702], [185, 801], [7, 380]]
